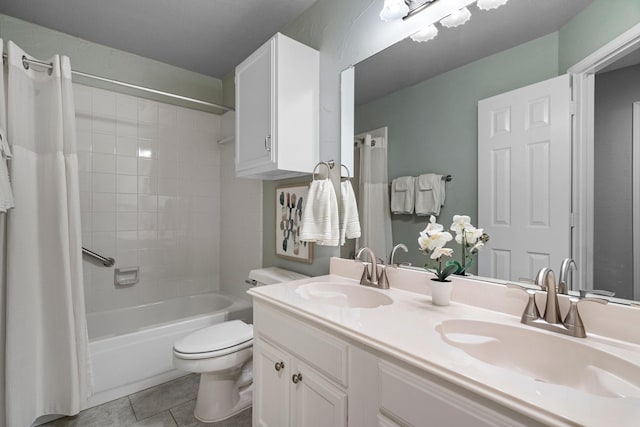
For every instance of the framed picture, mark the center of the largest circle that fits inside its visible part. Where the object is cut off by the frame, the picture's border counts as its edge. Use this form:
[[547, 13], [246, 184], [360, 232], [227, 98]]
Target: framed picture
[[290, 200]]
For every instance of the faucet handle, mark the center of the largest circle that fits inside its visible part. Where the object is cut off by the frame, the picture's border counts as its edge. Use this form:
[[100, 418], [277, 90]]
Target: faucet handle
[[573, 321], [600, 292], [531, 311]]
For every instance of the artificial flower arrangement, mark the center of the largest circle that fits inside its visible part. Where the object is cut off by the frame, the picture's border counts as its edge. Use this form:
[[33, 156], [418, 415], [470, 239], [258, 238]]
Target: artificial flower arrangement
[[433, 238]]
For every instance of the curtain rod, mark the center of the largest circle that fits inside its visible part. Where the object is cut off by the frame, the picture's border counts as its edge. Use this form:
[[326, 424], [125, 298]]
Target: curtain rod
[[49, 65]]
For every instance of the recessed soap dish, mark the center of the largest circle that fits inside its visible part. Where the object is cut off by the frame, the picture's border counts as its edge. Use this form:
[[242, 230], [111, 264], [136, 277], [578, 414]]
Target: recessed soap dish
[[126, 276]]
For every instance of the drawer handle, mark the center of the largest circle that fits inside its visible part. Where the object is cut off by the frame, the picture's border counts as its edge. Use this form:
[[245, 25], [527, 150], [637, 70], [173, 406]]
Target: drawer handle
[[267, 143], [296, 378], [279, 366]]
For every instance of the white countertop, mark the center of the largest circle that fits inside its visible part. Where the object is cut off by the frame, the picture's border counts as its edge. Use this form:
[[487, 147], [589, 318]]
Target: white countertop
[[407, 331]]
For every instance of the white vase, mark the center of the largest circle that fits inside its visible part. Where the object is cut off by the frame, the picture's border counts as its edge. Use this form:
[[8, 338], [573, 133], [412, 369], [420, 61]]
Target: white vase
[[441, 292]]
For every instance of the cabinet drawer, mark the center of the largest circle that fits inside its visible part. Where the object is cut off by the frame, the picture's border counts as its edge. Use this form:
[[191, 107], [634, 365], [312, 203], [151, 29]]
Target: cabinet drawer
[[323, 352], [411, 400]]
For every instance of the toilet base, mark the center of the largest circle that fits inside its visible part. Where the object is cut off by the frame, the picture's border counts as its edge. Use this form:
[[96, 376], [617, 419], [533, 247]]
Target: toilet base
[[221, 398]]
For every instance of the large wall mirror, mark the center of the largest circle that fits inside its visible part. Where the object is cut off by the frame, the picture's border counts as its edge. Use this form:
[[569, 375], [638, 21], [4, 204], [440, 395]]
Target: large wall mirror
[[424, 98]]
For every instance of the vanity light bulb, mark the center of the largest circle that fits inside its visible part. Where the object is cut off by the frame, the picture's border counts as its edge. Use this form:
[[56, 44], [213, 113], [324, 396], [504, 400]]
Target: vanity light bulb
[[393, 9], [425, 34], [457, 18], [490, 4]]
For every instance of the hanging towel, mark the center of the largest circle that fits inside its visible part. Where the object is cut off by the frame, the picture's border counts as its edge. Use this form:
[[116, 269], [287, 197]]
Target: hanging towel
[[320, 215], [6, 194], [403, 195], [429, 194], [350, 222]]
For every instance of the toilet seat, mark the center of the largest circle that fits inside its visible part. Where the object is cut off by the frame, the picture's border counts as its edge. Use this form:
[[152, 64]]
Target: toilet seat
[[215, 341]]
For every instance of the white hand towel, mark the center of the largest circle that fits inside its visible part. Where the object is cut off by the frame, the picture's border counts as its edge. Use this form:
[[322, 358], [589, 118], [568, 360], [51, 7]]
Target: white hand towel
[[429, 194], [320, 215], [403, 195], [350, 222]]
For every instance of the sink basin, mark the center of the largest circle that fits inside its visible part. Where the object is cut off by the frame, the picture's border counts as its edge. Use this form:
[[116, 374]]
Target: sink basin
[[343, 295], [544, 357]]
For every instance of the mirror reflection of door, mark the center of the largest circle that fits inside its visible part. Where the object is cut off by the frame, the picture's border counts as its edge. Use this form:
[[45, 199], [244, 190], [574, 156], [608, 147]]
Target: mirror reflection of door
[[524, 179]]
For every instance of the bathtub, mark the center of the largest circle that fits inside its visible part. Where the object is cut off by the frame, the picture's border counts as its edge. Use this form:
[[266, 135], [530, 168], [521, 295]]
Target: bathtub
[[130, 349]]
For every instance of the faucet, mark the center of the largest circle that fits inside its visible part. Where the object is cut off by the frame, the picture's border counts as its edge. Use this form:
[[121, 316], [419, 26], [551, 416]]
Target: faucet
[[563, 280], [370, 275], [551, 321], [393, 252]]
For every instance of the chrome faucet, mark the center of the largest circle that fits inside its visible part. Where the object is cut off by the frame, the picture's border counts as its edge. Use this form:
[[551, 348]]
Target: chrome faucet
[[550, 320], [563, 280], [372, 276]]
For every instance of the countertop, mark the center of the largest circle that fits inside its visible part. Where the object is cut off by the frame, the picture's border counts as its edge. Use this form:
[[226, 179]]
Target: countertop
[[408, 330]]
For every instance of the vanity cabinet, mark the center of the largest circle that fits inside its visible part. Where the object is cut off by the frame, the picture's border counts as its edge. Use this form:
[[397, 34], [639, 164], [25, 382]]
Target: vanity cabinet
[[333, 370], [299, 374], [277, 110]]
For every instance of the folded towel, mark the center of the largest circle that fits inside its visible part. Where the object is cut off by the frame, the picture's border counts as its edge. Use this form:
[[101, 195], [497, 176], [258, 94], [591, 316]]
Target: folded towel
[[350, 221], [429, 194], [320, 215], [403, 195]]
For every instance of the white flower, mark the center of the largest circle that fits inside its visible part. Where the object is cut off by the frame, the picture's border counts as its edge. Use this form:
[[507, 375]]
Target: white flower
[[476, 247], [438, 252], [460, 222], [433, 225], [470, 234]]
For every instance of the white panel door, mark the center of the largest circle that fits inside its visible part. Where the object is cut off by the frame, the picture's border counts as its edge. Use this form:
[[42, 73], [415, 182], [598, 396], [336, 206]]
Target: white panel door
[[524, 179]]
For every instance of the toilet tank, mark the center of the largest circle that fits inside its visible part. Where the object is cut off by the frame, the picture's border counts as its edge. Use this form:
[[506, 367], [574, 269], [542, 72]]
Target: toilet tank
[[272, 275]]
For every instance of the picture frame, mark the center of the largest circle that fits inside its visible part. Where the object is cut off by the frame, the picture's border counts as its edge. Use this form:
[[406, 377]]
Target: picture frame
[[290, 201]]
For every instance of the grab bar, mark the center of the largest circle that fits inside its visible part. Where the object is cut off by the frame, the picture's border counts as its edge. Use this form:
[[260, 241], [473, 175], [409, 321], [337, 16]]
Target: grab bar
[[107, 262]]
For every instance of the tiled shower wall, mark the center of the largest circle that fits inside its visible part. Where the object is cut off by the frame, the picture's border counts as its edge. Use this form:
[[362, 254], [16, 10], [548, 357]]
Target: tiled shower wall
[[150, 195]]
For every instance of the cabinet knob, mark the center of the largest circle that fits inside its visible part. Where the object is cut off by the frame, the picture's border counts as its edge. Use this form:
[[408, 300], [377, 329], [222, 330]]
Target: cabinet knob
[[279, 366], [267, 143], [296, 378]]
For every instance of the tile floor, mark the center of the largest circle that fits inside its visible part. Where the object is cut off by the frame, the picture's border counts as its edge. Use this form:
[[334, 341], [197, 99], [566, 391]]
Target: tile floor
[[166, 405]]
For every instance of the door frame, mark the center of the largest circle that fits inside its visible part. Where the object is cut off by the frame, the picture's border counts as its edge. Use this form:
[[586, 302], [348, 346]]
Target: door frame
[[583, 88], [635, 150]]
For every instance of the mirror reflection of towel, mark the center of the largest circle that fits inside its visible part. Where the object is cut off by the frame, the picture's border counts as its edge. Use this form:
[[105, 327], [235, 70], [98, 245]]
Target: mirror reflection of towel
[[430, 194], [350, 221], [402, 195]]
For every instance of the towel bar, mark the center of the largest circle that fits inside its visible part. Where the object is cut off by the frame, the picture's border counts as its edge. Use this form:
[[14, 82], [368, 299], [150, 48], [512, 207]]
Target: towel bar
[[107, 262]]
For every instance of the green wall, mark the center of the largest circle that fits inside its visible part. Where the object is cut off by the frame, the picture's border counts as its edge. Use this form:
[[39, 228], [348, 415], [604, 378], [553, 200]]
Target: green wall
[[433, 127], [104, 61], [594, 27]]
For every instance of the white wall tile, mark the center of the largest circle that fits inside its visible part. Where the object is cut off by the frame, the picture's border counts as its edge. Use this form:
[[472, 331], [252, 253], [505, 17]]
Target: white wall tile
[[126, 165], [126, 128], [104, 202], [103, 182], [104, 221], [147, 202], [147, 111], [103, 143], [126, 108], [103, 104], [127, 184], [104, 163], [127, 146], [82, 98], [127, 202], [103, 125], [147, 166], [127, 221]]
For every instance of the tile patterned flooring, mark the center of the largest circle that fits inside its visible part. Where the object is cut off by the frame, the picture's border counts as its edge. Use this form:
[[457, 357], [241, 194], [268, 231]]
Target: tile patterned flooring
[[166, 405]]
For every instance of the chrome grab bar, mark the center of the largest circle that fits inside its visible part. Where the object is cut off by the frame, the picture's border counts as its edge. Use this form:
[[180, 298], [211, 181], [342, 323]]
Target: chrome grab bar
[[107, 262]]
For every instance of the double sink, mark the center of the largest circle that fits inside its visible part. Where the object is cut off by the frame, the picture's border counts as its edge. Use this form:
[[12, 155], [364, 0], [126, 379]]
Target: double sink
[[546, 357]]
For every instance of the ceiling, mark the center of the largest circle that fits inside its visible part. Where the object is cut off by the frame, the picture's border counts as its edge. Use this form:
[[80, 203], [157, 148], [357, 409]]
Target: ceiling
[[407, 62], [206, 36]]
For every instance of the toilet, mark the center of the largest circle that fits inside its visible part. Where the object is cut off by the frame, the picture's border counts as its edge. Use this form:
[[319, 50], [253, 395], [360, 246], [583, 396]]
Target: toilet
[[222, 354]]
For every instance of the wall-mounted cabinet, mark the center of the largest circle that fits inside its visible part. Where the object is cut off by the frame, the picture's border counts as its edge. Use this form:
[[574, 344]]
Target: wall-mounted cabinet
[[277, 110]]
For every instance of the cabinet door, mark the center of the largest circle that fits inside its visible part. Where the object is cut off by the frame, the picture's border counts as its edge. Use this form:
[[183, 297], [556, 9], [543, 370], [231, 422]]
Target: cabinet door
[[254, 95], [271, 382], [316, 401]]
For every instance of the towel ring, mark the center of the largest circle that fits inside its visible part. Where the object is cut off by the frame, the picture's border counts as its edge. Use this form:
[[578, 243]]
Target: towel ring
[[329, 166], [347, 169]]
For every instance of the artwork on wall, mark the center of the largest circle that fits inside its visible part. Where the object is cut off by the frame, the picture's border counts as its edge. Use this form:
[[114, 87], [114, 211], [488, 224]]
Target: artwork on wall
[[290, 200]]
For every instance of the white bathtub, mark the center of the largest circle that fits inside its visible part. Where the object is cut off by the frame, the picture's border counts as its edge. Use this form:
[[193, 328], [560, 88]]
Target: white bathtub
[[130, 349]]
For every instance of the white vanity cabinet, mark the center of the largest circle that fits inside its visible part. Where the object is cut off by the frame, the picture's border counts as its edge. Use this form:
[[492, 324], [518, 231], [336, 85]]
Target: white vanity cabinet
[[299, 374], [277, 110], [380, 389]]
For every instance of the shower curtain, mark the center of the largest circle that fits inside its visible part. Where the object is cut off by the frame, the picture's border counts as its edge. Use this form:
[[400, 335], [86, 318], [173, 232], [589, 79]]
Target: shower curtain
[[46, 335], [373, 203]]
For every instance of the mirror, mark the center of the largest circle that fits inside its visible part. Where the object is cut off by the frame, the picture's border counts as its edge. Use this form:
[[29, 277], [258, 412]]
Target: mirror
[[426, 94]]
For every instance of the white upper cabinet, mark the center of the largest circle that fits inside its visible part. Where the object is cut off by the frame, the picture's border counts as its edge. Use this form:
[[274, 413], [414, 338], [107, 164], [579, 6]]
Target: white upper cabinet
[[277, 110]]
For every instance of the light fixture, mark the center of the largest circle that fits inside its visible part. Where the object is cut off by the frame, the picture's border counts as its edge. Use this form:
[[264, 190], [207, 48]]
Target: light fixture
[[457, 18], [425, 34], [393, 9], [490, 4]]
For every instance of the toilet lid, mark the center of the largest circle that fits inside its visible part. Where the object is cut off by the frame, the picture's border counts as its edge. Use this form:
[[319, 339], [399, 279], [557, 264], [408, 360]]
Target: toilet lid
[[216, 337]]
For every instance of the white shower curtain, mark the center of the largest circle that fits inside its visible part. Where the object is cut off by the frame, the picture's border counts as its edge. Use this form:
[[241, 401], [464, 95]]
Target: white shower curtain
[[46, 334], [373, 204]]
